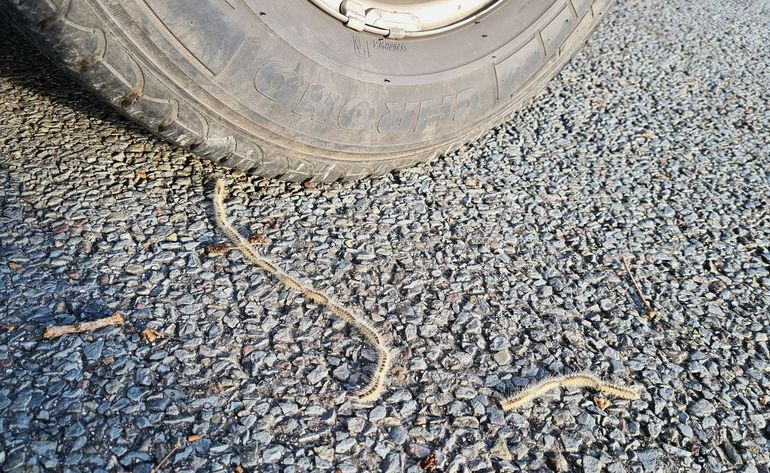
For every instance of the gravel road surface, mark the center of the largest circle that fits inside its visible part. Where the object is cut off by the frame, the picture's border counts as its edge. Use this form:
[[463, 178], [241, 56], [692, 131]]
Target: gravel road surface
[[491, 268]]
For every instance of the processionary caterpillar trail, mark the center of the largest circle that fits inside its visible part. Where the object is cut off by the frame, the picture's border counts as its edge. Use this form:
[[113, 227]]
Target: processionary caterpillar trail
[[373, 390], [576, 380]]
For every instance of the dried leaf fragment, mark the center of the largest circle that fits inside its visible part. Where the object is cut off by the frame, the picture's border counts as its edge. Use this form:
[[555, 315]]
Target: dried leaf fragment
[[15, 266], [601, 402], [150, 335], [61, 228], [430, 463]]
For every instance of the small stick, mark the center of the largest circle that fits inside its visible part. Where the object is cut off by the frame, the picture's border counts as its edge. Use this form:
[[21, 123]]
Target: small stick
[[219, 250], [59, 330], [651, 313], [165, 459]]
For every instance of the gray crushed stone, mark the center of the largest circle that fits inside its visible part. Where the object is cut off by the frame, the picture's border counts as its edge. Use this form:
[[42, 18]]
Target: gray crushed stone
[[495, 266]]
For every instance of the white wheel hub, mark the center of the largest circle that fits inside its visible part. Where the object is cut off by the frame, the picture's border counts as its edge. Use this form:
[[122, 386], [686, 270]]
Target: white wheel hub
[[397, 19]]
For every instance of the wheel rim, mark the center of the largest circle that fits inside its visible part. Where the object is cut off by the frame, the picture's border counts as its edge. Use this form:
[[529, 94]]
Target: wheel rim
[[396, 19]]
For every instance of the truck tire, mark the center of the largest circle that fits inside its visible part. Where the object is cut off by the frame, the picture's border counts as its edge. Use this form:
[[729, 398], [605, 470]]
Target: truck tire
[[283, 89]]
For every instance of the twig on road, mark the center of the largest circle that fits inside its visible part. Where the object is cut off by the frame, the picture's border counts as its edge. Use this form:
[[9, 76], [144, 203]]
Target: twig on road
[[59, 330], [651, 313], [219, 250], [157, 468]]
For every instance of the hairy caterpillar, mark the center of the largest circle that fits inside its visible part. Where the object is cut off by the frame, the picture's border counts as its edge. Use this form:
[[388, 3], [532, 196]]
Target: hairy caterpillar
[[373, 390], [576, 380]]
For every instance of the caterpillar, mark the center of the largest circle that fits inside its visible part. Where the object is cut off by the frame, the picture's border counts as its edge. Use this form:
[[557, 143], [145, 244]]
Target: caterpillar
[[575, 380], [376, 385]]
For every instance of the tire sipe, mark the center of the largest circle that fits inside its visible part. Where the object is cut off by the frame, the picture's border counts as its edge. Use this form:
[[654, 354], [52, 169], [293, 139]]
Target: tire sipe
[[283, 89]]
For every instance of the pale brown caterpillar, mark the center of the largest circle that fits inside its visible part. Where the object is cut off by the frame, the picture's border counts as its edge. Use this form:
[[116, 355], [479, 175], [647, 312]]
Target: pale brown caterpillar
[[373, 390], [575, 380]]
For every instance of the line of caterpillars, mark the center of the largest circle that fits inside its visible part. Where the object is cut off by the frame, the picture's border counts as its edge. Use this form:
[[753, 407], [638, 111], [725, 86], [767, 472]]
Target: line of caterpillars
[[584, 380], [373, 390], [376, 385]]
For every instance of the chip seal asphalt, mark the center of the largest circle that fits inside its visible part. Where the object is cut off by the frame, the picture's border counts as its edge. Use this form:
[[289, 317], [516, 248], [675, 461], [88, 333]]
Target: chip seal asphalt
[[491, 268]]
